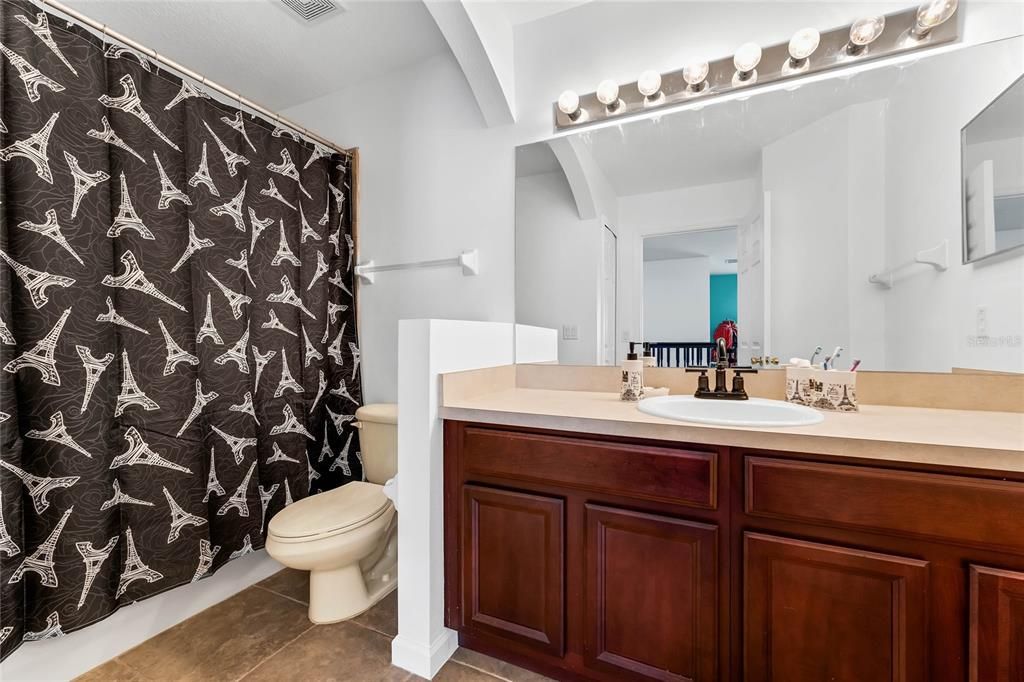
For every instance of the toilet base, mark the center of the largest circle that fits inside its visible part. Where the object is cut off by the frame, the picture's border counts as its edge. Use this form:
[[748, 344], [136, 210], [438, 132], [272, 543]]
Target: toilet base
[[343, 593]]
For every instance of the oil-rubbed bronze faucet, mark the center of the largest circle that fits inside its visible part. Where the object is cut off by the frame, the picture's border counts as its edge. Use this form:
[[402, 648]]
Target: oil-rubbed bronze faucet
[[738, 391]]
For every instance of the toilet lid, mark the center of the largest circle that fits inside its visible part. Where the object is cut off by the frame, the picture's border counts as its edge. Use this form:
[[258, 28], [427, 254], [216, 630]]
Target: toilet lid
[[350, 505]]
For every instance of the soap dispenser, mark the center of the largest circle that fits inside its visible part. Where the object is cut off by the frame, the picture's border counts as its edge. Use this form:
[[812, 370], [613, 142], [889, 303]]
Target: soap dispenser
[[632, 378], [648, 359]]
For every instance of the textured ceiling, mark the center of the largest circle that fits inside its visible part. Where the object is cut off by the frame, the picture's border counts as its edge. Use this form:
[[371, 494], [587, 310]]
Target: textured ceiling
[[265, 52]]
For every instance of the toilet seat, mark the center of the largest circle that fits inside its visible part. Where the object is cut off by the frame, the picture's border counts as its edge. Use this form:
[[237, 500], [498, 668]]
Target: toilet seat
[[330, 513]]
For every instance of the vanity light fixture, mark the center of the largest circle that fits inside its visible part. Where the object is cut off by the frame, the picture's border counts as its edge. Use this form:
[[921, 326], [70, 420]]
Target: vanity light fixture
[[801, 46], [569, 104], [746, 59], [863, 32], [753, 66], [608, 95], [696, 75], [649, 85], [932, 14]]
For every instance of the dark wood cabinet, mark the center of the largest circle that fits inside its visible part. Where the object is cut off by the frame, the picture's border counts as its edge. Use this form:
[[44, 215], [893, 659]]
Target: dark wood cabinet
[[651, 603], [599, 557], [513, 566], [820, 612], [996, 625]]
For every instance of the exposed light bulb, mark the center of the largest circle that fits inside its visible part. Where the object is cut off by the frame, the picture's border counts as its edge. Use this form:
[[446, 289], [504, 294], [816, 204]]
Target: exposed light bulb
[[649, 83], [865, 31], [932, 14], [569, 104], [608, 93], [803, 44], [746, 59], [695, 73]]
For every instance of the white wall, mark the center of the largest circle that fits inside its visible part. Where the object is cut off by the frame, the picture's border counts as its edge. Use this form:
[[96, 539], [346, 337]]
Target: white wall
[[805, 173], [865, 236], [677, 299], [535, 344], [433, 182], [558, 259], [923, 208], [827, 186], [427, 349]]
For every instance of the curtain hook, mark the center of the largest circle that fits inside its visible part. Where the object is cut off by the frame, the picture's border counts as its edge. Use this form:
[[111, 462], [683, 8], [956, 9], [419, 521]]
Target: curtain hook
[[103, 37]]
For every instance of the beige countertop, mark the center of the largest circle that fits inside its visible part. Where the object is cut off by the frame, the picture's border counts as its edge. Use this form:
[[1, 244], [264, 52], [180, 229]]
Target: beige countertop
[[961, 438]]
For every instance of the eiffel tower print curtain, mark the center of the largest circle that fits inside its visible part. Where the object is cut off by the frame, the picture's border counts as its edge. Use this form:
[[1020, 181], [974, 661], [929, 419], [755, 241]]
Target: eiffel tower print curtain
[[178, 351]]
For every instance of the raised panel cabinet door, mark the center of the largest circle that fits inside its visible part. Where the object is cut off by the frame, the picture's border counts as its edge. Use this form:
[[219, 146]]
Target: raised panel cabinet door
[[651, 604], [821, 612], [513, 566], [996, 625]]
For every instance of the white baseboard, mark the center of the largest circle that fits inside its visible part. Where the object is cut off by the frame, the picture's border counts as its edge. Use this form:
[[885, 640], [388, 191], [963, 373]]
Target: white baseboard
[[79, 652], [421, 659]]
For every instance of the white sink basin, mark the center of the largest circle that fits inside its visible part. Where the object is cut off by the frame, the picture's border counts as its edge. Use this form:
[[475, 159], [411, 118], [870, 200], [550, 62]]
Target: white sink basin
[[753, 412]]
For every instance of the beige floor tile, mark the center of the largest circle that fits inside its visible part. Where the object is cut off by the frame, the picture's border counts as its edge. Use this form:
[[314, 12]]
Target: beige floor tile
[[383, 617], [456, 672], [289, 583], [505, 671], [111, 671], [332, 653], [223, 642]]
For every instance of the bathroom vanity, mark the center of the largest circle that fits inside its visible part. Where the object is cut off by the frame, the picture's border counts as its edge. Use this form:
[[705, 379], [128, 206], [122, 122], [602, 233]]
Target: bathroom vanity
[[584, 539]]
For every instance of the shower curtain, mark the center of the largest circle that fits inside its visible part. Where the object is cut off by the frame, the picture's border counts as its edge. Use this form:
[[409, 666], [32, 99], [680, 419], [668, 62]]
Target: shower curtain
[[178, 350]]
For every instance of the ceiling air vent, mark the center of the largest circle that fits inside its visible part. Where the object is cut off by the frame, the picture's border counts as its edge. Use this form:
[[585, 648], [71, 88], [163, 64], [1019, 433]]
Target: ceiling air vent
[[311, 10]]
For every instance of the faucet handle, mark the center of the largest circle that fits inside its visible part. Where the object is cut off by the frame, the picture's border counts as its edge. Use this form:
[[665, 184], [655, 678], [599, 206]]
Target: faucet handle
[[702, 381], [744, 370]]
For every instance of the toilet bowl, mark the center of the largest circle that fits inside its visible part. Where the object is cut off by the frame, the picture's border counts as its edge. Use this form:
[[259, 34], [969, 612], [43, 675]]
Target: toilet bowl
[[347, 537]]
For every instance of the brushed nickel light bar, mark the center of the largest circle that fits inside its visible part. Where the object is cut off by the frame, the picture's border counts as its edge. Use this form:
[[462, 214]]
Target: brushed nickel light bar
[[807, 52]]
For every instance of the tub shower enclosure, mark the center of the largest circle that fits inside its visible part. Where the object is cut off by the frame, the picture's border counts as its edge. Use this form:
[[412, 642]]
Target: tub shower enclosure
[[178, 350]]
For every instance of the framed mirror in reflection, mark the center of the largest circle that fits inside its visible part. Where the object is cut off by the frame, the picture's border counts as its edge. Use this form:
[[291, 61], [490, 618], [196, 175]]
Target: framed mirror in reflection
[[993, 177], [826, 214]]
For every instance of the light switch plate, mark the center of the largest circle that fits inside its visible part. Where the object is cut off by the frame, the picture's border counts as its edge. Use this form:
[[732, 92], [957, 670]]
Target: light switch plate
[[570, 332]]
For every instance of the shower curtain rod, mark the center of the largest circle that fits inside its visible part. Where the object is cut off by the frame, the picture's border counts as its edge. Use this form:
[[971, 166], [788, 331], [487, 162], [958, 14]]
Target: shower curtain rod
[[207, 83]]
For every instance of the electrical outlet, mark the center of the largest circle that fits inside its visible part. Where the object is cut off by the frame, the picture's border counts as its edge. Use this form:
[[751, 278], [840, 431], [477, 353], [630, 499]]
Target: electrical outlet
[[570, 332], [981, 320]]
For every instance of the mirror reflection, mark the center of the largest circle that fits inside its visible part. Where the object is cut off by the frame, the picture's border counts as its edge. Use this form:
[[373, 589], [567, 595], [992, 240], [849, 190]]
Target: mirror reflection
[[993, 166], [828, 215]]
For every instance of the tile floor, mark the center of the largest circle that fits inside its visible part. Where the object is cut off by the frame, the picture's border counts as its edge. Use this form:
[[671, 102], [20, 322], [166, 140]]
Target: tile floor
[[262, 633]]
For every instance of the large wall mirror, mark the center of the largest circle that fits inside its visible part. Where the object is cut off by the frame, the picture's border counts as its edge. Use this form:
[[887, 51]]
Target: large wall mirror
[[826, 214]]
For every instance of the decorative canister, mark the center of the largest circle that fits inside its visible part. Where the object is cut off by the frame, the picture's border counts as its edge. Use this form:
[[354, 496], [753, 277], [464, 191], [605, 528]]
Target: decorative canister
[[798, 385], [834, 390]]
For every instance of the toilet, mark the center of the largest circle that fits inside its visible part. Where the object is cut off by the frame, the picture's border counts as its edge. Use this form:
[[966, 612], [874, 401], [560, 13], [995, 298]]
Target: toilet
[[346, 538]]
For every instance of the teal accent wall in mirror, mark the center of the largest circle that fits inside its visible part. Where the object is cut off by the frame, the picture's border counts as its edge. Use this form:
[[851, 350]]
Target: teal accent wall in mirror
[[723, 301]]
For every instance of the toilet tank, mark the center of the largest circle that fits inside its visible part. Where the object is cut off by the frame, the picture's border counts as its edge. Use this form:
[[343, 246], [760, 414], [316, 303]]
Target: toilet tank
[[378, 440]]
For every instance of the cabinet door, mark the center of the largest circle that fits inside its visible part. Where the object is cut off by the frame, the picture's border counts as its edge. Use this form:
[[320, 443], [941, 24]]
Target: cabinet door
[[513, 566], [820, 612], [651, 607], [997, 625]]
